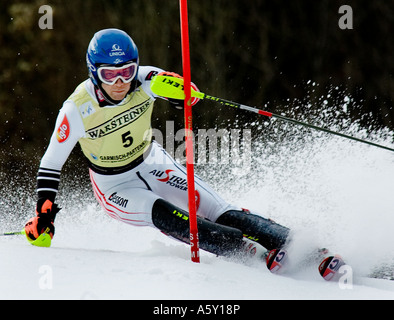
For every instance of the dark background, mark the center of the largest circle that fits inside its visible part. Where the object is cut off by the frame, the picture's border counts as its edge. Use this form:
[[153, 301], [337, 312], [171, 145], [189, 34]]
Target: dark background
[[260, 53]]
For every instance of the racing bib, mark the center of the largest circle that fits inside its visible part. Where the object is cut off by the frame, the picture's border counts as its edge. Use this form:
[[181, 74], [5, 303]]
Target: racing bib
[[114, 135]]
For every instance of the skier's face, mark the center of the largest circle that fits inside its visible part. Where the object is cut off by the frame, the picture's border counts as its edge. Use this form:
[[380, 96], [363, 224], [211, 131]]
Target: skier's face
[[118, 90]]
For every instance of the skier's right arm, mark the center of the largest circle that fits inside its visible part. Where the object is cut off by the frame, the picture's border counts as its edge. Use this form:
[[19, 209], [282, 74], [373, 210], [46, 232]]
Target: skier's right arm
[[68, 130]]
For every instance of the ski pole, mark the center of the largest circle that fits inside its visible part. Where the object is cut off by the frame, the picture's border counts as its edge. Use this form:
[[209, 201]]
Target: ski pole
[[13, 233], [171, 87]]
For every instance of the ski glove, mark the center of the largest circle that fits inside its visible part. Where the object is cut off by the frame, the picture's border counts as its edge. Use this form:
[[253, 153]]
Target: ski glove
[[43, 221], [178, 103]]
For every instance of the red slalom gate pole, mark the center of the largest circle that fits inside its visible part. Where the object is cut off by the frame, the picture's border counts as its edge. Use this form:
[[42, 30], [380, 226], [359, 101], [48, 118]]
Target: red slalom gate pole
[[195, 255]]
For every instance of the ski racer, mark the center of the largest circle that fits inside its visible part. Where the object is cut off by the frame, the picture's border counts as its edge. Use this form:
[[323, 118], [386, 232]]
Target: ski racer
[[109, 114]]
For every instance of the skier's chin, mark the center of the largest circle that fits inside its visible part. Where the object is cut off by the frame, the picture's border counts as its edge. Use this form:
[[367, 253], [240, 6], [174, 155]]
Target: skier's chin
[[117, 92]]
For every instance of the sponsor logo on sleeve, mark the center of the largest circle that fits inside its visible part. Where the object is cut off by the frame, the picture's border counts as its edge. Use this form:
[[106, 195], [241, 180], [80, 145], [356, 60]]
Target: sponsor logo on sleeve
[[63, 132]]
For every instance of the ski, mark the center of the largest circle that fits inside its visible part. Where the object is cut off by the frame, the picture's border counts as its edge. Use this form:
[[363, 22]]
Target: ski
[[276, 259], [330, 266]]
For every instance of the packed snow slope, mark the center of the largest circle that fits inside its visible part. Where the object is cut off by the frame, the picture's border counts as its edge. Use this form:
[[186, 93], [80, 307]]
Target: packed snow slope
[[331, 192]]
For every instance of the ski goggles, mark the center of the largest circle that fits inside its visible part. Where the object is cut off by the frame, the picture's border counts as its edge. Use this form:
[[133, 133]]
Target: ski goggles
[[109, 75]]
